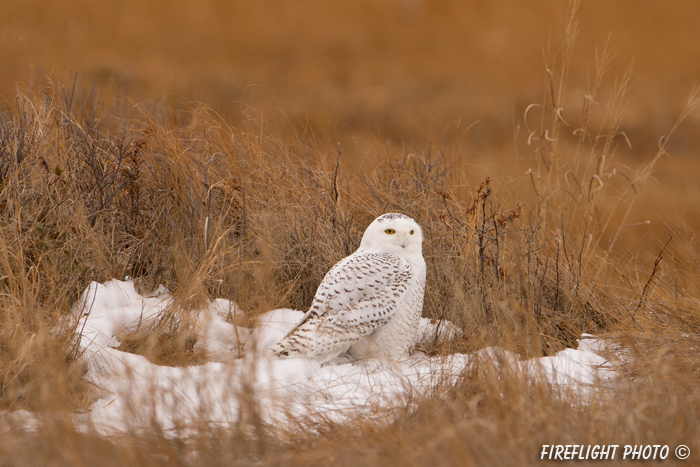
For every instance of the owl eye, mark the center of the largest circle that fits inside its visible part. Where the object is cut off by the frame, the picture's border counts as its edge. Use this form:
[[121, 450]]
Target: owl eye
[[411, 232], [390, 231]]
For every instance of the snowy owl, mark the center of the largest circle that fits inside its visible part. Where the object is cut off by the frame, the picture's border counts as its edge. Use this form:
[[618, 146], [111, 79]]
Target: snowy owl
[[369, 304]]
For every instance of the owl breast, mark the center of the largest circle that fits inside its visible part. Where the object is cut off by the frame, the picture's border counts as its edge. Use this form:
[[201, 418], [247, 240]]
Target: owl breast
[[394, 339]]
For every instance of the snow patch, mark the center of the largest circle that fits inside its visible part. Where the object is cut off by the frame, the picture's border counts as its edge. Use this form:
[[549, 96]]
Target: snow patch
[[139, 395]]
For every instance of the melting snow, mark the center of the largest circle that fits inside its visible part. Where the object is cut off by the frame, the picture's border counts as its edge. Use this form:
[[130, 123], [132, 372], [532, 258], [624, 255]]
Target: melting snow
[[137, 394]]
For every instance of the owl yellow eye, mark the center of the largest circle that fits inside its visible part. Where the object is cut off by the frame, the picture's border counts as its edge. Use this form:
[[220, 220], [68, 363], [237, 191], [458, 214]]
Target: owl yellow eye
[[411, 232], [390, 231]]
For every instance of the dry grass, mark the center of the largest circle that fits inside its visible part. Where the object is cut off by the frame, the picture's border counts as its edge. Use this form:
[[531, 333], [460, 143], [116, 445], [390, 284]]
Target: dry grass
[[529, 243]]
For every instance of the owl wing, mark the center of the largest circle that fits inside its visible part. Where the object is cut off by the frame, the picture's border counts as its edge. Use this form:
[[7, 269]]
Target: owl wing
[[358, 295]]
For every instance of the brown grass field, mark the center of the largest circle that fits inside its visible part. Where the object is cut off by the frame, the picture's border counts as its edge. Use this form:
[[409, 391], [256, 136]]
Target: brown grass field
[[238, 150]]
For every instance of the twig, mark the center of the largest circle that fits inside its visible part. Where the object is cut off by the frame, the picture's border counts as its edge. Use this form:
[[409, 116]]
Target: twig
[[334, 186], [659, 257]]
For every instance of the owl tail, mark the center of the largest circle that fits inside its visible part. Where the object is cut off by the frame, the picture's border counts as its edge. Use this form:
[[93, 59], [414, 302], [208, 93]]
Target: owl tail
[[311, 342]]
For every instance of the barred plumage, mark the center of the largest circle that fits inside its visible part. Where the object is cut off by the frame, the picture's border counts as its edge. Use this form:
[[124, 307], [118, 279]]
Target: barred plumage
[[369, 304]]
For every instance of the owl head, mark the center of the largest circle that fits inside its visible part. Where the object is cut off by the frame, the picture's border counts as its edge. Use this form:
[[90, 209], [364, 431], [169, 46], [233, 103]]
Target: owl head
[[394, 233]]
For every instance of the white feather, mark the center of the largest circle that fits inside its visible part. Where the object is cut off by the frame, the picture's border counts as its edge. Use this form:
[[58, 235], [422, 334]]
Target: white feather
[[369, 304]]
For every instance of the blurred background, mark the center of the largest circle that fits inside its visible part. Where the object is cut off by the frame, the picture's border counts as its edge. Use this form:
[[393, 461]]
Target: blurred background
[[455, 73], [401, 67]]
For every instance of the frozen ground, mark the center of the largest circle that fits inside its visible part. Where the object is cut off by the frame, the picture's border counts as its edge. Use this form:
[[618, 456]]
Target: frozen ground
[[136, 394]]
